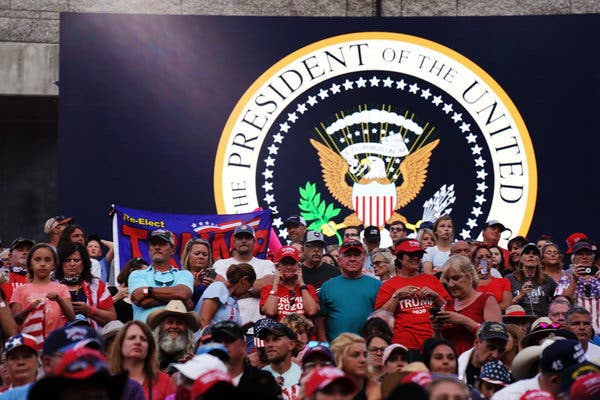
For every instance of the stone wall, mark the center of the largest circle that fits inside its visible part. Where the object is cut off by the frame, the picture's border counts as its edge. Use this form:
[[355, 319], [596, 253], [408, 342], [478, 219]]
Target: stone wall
[[29, 29]]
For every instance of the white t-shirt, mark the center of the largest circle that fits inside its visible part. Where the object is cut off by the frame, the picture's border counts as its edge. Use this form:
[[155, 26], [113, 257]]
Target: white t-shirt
[[436, 257], [250, 306], [593, 353], [515, 390]]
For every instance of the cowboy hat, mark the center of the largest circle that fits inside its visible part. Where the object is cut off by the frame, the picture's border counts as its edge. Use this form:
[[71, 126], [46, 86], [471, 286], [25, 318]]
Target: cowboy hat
[[175, 308]]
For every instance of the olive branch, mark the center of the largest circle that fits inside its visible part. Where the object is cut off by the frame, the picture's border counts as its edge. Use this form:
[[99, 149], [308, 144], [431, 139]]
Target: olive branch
[[317, 210]]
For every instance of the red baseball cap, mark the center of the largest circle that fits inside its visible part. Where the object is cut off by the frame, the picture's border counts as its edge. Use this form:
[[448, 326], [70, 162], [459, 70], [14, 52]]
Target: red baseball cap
[[572, 240], [208, 380], [322, 377], [351, 243], [586, 387], [421, 378], [409, 246], [286, 251], [536, 394]]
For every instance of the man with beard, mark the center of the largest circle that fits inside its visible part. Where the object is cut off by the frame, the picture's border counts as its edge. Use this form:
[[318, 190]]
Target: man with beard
[[17, 276], [278, 346], [243, 241], [314, 270], [173, 328], [161, 282]]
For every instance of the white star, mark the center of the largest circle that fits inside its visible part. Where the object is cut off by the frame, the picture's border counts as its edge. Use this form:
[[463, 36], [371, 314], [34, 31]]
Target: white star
[[348, 85], [395, 176], [342, 140], [269, 161], [268, 186], [437, 100], [275, 211], [397, 161], [414, 88], [273, 149], [366, 131], [194, 225], [269, 199], [374, 130], [471, 138], [425, 94], [312, 100], [464, 127], [283, 233], [481, 174], [447, 108], [361, 82], [465, 234], [356, 133], [456, 117], [406, 140], [284, 127], [277, 221], [374, 81], [400, 84], [479, 199], [476, 149], [349, 136], [476, 211], [480, 162], [481, 186], [322, 94], [334, 88], [387, 82], [268, 174], [278, 137], [292, 117], [472, 223], [388, 159], [301, 108]]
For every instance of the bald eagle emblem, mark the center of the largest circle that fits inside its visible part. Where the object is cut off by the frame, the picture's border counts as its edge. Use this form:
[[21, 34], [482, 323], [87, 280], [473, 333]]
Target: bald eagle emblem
[[374, 162]]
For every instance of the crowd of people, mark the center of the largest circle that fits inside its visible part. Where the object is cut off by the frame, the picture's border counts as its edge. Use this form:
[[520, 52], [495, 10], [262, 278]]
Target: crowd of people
[[429, 317]]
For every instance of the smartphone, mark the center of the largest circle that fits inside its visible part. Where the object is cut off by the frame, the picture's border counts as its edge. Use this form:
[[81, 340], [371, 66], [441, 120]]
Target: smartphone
[[483, 267], [434, 311], [210, 273]]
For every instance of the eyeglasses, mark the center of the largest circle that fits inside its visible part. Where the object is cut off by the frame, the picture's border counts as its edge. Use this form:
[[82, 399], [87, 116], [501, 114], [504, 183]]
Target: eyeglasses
[[292, 298], [164, 278], [72, 260], [376, 350], [545, 325]]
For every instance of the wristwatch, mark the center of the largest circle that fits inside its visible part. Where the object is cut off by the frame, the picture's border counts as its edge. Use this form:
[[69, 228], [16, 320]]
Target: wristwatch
[[147, 291], [272, 293], [303, 287]]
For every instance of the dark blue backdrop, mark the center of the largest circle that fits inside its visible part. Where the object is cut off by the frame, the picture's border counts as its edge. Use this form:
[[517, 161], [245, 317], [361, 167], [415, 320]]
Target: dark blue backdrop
[[143, 101]]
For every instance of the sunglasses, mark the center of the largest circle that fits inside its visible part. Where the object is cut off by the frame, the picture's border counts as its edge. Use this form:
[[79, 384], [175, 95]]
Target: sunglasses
[[375, 350], [164, 278], [315, 343], [545, 325], [292, 298]]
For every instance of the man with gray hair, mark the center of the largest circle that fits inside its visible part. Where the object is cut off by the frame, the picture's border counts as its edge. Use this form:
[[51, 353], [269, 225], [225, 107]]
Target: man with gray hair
[[579, 321], [558, 310], [173, 328]]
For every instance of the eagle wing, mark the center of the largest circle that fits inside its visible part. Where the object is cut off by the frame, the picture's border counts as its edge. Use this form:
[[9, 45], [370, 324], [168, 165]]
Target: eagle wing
[[414, 172], [334, 169]]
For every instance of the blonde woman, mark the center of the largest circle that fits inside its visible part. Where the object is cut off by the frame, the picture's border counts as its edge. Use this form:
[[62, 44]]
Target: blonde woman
[[350, 351]]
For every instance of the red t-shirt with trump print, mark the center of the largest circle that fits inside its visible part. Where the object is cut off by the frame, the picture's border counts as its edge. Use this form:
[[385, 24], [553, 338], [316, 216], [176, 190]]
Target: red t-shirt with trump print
[[288, 301], [411, 325]]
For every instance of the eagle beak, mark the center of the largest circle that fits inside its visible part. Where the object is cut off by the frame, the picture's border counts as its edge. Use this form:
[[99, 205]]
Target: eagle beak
[[364, 161]]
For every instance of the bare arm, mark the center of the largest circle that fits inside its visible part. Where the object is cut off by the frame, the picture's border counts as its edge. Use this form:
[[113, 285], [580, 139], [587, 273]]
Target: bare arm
[[428, 267], [491, 311], [311, 307], [7, 322], [111, 250], [208, 311], [160, 295], [321, 329], [506, 300], [97, 314]]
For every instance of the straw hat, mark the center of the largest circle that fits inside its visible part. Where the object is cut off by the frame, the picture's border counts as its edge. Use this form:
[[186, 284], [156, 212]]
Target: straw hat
[[176, 308]]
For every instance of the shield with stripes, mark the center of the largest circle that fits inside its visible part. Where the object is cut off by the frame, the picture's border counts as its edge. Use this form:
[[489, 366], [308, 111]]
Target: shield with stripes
[[374, 202]]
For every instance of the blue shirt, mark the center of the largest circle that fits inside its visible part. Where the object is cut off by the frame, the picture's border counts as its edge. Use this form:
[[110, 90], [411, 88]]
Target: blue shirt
[[346, 303], [150, 277], [228, 309], [17, 393]]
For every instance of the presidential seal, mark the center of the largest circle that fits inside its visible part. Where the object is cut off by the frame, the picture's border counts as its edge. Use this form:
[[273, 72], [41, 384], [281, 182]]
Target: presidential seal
[[373, 127]]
